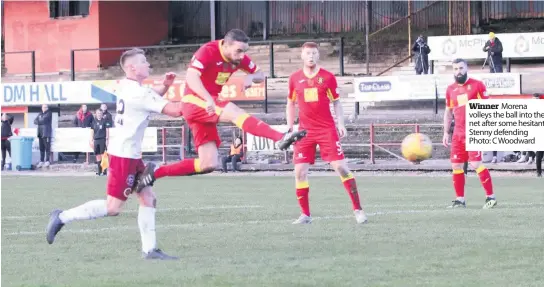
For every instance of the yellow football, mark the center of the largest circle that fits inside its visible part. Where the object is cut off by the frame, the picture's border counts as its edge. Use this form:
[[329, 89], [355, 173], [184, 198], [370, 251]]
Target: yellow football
[[417, 147]]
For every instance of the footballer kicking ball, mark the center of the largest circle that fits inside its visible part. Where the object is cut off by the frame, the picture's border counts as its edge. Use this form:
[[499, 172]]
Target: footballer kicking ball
[[417, 147]]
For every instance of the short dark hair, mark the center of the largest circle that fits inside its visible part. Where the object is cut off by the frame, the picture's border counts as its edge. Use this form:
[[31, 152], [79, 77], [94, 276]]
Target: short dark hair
[[459, 60], [128, 54], [309, 45], [236, 35]]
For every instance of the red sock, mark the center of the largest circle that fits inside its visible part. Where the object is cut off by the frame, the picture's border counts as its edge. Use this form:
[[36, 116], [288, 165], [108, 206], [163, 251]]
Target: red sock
[[459, 182], [257, 127], [303, 188], [485, 179], [182, 168], [351, 187]]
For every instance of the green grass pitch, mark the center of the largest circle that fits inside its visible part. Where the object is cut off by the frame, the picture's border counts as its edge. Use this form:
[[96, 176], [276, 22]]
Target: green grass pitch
[[237, 231]]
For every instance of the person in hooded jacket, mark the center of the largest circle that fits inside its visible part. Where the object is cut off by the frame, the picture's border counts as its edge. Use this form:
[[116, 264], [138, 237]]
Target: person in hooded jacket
[[45, 133], [7, 121]]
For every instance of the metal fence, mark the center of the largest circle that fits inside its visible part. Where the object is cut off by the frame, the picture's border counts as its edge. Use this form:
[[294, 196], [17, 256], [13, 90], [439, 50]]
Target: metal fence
[[377, 35], [177, 57]]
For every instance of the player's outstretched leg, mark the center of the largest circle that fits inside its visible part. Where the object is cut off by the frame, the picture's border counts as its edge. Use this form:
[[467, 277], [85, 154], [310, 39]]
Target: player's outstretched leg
[[256, 127], [90, 210], [206, 163], [487, 183], [302, 191], [146, 224], [350, 185]]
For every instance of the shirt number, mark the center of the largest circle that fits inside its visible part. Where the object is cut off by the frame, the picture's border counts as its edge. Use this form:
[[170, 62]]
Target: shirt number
[[310, 95], [339, 148], [120, 112]]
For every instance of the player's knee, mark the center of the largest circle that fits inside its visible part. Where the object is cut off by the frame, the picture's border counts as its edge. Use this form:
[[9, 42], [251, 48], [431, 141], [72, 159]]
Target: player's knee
[[476, 164], [343, 171], [301, 175], [457, 166], [207, 166], [113, 210], [147, 197]]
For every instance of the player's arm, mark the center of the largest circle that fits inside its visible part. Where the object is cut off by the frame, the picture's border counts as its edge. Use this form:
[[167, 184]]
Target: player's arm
[[334, 97], [167, 82], [172, 109], [290, 108], [482, 91], [152, 102], [195, 84], [448, 114], [199, 63], [254, 74]]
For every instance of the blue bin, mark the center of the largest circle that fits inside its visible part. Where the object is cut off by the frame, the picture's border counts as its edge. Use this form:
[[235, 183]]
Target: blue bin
[[21, 152]]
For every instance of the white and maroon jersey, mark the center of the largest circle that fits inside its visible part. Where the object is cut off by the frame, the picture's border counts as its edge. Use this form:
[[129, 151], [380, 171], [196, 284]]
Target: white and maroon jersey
[[134, 105]]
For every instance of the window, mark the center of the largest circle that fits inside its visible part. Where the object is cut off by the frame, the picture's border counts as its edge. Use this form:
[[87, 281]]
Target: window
[[65, 8]]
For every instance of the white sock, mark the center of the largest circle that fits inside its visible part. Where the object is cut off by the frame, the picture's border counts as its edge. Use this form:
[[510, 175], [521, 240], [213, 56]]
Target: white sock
[[461, 199], [89, 210], [146, 222]]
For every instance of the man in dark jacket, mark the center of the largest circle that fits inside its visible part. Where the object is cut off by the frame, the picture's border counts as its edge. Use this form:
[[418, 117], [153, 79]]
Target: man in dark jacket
[[45, 133], [421, 54], [7, 121], [106, 115], [83, 119], [493, 47]]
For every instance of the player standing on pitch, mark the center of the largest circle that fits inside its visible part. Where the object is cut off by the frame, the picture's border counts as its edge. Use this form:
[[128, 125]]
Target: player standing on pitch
[[313, 89], [457, 96], [210, 69], [134, 106]]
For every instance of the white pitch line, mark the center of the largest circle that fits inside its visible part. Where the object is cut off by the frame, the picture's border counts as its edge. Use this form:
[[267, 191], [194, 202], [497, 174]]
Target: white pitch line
[[238, 223], [379, 206], [212, 207]]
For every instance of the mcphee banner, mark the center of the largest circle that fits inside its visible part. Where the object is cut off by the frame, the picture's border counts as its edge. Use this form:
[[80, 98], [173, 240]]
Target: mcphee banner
[[78, 139], [425, 87], [515, 45], [105, 91], [260, 144]]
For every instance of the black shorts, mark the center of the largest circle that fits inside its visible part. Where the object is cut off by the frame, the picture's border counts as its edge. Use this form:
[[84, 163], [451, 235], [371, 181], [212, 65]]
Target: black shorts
[[99, 146]]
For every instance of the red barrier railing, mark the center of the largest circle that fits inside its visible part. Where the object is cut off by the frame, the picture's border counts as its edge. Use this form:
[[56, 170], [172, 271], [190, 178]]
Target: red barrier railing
[[381, 145], [164, 145]]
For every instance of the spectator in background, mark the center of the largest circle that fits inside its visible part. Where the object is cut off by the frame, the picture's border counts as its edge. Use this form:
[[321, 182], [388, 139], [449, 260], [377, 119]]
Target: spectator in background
[[45, 132], [421, 53], [99, 139], [235, 155], [7, 121], [493, 47], [83, 119], [106, 115]]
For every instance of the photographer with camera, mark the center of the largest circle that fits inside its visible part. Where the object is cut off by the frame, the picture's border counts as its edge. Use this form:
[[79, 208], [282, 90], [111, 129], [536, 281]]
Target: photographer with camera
[[421, 52], [493, 47]]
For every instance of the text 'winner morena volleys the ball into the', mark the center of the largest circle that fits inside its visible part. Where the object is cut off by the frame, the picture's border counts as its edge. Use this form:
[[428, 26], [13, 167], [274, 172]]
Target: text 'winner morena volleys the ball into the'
[[457, 96], [313, 89], [134, 106], [210, 69]]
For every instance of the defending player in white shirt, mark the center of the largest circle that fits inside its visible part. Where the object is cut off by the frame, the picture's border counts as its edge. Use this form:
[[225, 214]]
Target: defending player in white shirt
[[134, 106]]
